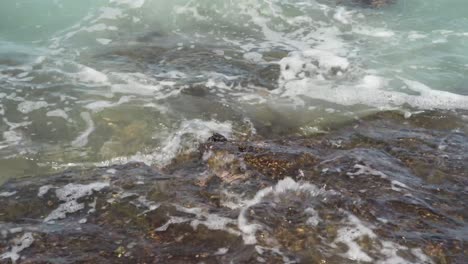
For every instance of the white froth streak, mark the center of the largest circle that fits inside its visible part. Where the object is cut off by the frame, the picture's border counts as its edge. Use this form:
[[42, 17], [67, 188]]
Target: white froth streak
[[69, 194], [12, 136], [100, 105], [211, 221], [274, 36], [43, 190], [89, 75], [190, 11], [172, 220], [325, 36], [19, 245], [373, 32], [369, 92], [343, 16], [248, 229], [354, 230], [443, 99], [186, 138], [7, 194], [197, 130], [58, 113], [144, 85], [104, 41], [349, 235], [202, 217], [362, 170], [29, 106], [82, 140], [129, 3], [201, 130]]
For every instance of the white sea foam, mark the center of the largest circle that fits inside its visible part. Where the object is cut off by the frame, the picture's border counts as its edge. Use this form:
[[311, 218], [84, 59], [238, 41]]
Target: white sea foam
[[100, 105], [190, 11], [314, 218], [349, 234], [249, 229], [12, 136], [58, 113], [69, 195], [43, 190], [96, 27], [254, 57], [362, 170], [342, 15], [7, 194], [82, 139], [214, 222], [201, 217], [185, 139], [110, 13], [414, 35], [143, 85], [144, 202], [172, 220], [262, 250], [386, 251], [221, 251], [29, 106], [89, 75], [19, 244], [371, 91], [315, 62], [130, 3], [374, 32], [15, 230], [104, 41]]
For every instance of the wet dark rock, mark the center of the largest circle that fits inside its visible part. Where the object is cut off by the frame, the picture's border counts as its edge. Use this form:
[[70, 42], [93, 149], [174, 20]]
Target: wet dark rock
[[216, 137], [150, 36], [268, 76], [405, 179], [166, 57], [198, 90]]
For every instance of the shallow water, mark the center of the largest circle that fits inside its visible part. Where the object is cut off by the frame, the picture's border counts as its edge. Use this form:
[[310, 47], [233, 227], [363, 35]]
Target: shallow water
[[379, 190], [75, 75], [86, 84]]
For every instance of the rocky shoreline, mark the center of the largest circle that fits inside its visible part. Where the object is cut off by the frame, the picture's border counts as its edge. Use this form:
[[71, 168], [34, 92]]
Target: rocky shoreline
[[382, 188]]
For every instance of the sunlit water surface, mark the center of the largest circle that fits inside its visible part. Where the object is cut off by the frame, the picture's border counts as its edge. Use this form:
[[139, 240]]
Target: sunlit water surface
[[96, 83]]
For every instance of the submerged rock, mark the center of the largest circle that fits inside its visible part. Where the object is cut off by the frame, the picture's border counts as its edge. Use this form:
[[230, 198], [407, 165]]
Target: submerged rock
[[371, 3], [216, 137], [378, 3], [383, 188]]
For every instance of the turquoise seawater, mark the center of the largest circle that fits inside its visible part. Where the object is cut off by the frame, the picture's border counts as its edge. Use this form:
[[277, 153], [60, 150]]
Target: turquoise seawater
[[86, 83]]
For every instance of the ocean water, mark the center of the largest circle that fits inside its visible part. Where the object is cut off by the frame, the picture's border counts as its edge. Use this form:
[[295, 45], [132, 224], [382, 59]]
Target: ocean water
[[103, 82], [95, 84]]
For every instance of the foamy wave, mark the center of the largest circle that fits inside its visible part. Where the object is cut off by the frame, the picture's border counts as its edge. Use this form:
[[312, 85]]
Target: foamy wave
[[183, 140], [355, 229], [249, 229]]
